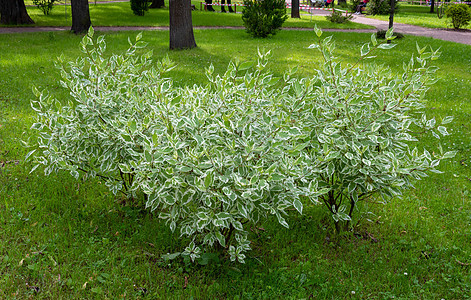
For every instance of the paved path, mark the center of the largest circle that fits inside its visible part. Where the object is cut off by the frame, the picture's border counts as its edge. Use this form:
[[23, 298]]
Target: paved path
[[463, 37]]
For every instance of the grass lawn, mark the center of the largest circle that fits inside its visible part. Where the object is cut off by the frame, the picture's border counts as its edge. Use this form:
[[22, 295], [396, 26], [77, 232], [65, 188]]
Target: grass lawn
[[62, 238], [120, 14], [417, 15]]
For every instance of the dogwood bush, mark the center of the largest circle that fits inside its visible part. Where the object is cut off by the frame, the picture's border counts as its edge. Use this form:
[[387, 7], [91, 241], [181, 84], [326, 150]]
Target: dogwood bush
[[212, 160]]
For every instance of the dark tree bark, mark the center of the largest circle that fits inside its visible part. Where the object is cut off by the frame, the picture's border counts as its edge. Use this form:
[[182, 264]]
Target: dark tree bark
[[14, 12], [181, 27], [80, 16], [391, 16], [432, 6], [157, 4], [295, 9]]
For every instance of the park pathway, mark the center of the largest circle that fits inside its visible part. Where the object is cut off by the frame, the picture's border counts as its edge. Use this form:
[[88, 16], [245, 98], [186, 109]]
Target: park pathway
[[462, 36], [457, 36]]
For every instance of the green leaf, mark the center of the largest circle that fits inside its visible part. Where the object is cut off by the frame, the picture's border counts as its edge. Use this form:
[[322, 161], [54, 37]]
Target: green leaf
[[318, 31], [419, 50], [238, 225], [139, 36], [245, 65], [298, 205], [91, 31], [389, 33], [132, 126], [450, 154], [447, 119], [29, 154], [242, 210], [148, 156], [223, 216], [386, 46], [208, 180], [221, 239], [374, 42], [442, 130], [365, 49], [281, 220]]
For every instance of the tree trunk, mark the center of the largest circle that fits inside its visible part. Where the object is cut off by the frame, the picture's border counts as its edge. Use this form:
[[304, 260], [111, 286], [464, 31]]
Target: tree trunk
[[157, 4], [14, 12], [181, 27], [432, 6], [80, 16], [295, 9]]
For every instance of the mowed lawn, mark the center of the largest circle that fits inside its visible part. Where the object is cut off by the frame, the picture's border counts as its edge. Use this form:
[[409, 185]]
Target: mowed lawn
[[120, 14], [63, 238]]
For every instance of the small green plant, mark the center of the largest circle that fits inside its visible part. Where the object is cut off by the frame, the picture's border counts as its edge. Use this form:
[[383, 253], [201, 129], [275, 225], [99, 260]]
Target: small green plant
[[44, 5], [381, 7], [460, 15], [338, 17], [263, 17], [139, 7]]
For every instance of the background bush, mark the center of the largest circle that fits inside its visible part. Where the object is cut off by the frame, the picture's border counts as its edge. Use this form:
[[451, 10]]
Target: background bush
[[338, 17], [139, 7], [44, 5], [263, 17], [381, 7], [460, 15]]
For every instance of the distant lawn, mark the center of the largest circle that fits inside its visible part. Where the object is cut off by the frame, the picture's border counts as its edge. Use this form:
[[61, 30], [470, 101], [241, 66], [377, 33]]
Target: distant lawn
[[120, 14], [62, 238], [417, 15]]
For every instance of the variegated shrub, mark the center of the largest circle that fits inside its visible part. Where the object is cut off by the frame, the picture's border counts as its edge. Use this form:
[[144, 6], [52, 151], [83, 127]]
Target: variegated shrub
[[215, 159]]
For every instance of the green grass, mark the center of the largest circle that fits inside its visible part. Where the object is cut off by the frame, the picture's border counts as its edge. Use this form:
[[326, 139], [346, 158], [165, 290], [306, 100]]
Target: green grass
[[73, 239], [417, 15], [120, 14]]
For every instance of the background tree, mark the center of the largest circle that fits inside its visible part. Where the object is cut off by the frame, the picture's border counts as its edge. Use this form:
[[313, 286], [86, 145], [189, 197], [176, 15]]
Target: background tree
[[181, 27], [14, 12], [157, 4], [80, 16], [295, 9]]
